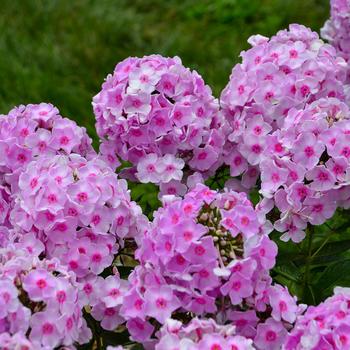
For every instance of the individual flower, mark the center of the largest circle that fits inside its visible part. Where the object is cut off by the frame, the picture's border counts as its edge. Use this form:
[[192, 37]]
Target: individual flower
[[270, 335], [45, 329], [160, 303], [39, 284]]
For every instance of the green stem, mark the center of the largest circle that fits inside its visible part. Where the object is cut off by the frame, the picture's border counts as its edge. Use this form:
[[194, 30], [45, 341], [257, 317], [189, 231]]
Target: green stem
[[312, 294], [325, 241], [99, 343], [321, 247], [310, 233], [286, 275]]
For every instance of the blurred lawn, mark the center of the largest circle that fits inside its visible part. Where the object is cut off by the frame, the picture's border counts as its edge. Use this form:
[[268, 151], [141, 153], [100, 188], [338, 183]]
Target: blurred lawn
[[60, 51]]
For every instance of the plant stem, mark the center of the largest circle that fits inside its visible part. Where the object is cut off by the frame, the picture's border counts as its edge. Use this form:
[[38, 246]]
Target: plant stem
[[310, 232], [325, 241], [320, 247], [286, 275]]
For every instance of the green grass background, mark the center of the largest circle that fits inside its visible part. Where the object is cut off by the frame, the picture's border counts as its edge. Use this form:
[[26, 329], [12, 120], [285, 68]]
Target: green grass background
[[60, 50]]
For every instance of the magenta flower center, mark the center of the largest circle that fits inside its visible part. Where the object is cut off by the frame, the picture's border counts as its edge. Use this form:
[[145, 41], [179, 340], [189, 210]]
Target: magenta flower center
[[282, 305], [42, 146], [61, 296], [309, 151], [41, 283], [47, 328], [88, 288], [236, 285], [96, 258], [199, 250], [271, 336], [21, 158], [202, 155], [237, 161], [114, 293], [188, 235], [256, 149], [138, 304], [69, 323], [6, 297], [323, 176], [33, 182], [64, 140], [109, 312], [245, 221], [82, 197], [51, 198], [161, 303]]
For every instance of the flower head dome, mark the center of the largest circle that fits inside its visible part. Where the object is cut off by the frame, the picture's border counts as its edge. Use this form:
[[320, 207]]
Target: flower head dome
[[208, 255], [159, 116], [28, 133], [336, 29], [39, 301], [292, 69], [79, 209]]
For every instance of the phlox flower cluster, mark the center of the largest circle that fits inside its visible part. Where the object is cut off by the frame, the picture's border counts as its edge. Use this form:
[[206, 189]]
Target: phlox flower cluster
[[28, 133], [325, 326], [209, 255], [78, 208], [289, 70], [39, 301], [159, 116], [308, 175], [336, 30], [200, 334], [66, 205]]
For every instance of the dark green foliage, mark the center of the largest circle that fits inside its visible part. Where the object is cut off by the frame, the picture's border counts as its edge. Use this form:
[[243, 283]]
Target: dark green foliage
[[102, 338], [321, 262], [146, 195]]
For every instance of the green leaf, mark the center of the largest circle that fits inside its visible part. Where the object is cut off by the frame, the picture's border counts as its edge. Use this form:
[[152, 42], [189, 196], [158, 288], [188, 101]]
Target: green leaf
[[125, 271], [290, 271], [287, 251], [146, 195], [337, 274], [115, 338], [289, 275], [331, 252], [218, 181], [310, 296]]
